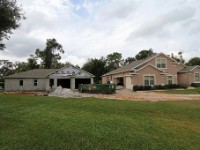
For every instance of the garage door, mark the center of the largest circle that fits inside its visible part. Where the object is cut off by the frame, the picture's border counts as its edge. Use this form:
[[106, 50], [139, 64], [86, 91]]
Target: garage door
[[81, 81]]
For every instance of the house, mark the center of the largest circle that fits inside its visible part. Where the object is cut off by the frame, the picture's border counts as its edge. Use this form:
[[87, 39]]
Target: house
[[44, 79], [158, 69]]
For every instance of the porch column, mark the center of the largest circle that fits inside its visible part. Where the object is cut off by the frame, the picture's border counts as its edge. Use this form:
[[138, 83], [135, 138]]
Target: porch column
[[55, 82], [72, 83], [92, 80]]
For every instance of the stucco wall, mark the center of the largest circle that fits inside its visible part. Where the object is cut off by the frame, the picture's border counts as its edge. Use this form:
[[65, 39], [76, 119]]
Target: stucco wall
[[183, 78], [114, 77], [189, 77], [171, 70], [28, 85], [149, 70]]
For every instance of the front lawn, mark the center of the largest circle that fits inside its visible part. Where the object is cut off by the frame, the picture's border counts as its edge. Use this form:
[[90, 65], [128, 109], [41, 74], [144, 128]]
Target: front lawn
[[33, 122], [184, 91]]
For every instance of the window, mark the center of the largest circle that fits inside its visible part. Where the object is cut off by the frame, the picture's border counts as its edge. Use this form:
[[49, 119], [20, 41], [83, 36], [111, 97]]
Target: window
[[161, 63], [169, 80], [196, 77], [149, 80], [35, 82], [21, 82]]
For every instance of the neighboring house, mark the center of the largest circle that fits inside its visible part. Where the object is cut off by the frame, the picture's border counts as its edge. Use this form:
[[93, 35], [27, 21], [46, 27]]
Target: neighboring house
[[45, 79], [158, 69]]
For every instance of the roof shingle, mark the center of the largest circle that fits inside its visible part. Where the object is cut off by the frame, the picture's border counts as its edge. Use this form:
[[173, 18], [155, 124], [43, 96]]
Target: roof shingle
[[36, 73], [130, 66]]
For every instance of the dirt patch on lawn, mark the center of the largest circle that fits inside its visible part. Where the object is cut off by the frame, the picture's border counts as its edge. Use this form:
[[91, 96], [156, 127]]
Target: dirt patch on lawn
[[123, 94], [126, 94]]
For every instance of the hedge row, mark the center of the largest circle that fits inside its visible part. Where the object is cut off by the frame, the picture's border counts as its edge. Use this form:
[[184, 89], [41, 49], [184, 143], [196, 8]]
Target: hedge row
[[158, 87], [195, 84]]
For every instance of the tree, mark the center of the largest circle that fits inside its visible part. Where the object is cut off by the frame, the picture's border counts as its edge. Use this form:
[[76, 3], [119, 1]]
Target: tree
[[193, 61], [129, 60], [6, 68], [114, 61], [178, 58], [96, 67], [144, 54], [10, 16], [20, 67], [32, 63], [51, 54]]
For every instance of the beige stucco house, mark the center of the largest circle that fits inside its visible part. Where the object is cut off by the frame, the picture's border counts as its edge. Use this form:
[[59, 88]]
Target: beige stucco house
[[158, 69], [44, 79]]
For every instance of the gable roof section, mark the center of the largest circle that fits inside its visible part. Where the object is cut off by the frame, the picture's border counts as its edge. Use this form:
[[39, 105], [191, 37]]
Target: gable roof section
[[188, 69], [136, 64], [32, 74], [91, 75], [150, 66], [133, 65]]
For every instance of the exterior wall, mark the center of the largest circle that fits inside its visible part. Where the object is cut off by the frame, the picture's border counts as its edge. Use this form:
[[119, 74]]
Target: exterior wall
[[114, 77], [71, 73], [188, 77], [160, 79], [196, 70], [172, 68], [183, 78], [28, 85], [138, 79]]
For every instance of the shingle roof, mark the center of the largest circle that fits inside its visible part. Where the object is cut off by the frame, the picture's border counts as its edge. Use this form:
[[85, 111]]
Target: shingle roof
[[188, 68], [36, 73], [130, 66]]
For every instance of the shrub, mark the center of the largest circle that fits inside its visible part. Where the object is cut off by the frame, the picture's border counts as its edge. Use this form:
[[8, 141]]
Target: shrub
[[135, 88], [195, 84], [158, 87]]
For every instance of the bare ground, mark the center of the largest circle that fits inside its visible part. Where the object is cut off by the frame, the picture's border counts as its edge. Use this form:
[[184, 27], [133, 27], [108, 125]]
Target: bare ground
[[125, 94]]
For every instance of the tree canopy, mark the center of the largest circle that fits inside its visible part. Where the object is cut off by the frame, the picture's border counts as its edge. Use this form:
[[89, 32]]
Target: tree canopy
[[129, 60], [96, 67], [51, 54], [193, 61], [114, 61], [144, 54], [10, 16]]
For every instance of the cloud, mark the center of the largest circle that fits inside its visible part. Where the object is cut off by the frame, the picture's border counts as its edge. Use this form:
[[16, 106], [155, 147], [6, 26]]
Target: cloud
[[157, 25], [116, 9], [88, 28]]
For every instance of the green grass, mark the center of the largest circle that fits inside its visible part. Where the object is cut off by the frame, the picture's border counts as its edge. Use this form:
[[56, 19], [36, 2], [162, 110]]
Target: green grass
[[30, 122], [184, 91]]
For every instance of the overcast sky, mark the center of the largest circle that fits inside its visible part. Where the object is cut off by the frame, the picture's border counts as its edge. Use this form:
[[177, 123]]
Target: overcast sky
[[95, 28]]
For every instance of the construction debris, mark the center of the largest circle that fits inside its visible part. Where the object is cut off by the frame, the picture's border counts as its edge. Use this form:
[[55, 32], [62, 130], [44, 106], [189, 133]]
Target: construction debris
[[66, 93]]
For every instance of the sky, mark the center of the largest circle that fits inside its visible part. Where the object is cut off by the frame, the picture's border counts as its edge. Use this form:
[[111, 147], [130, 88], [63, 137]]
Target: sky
[[95, 28]]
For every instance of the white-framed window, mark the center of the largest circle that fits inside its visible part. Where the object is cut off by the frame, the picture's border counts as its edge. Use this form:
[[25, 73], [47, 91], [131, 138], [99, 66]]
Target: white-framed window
[[161, 63], [169, 80], [149, 80], [35, 82], [21, 82], [197, 77]]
